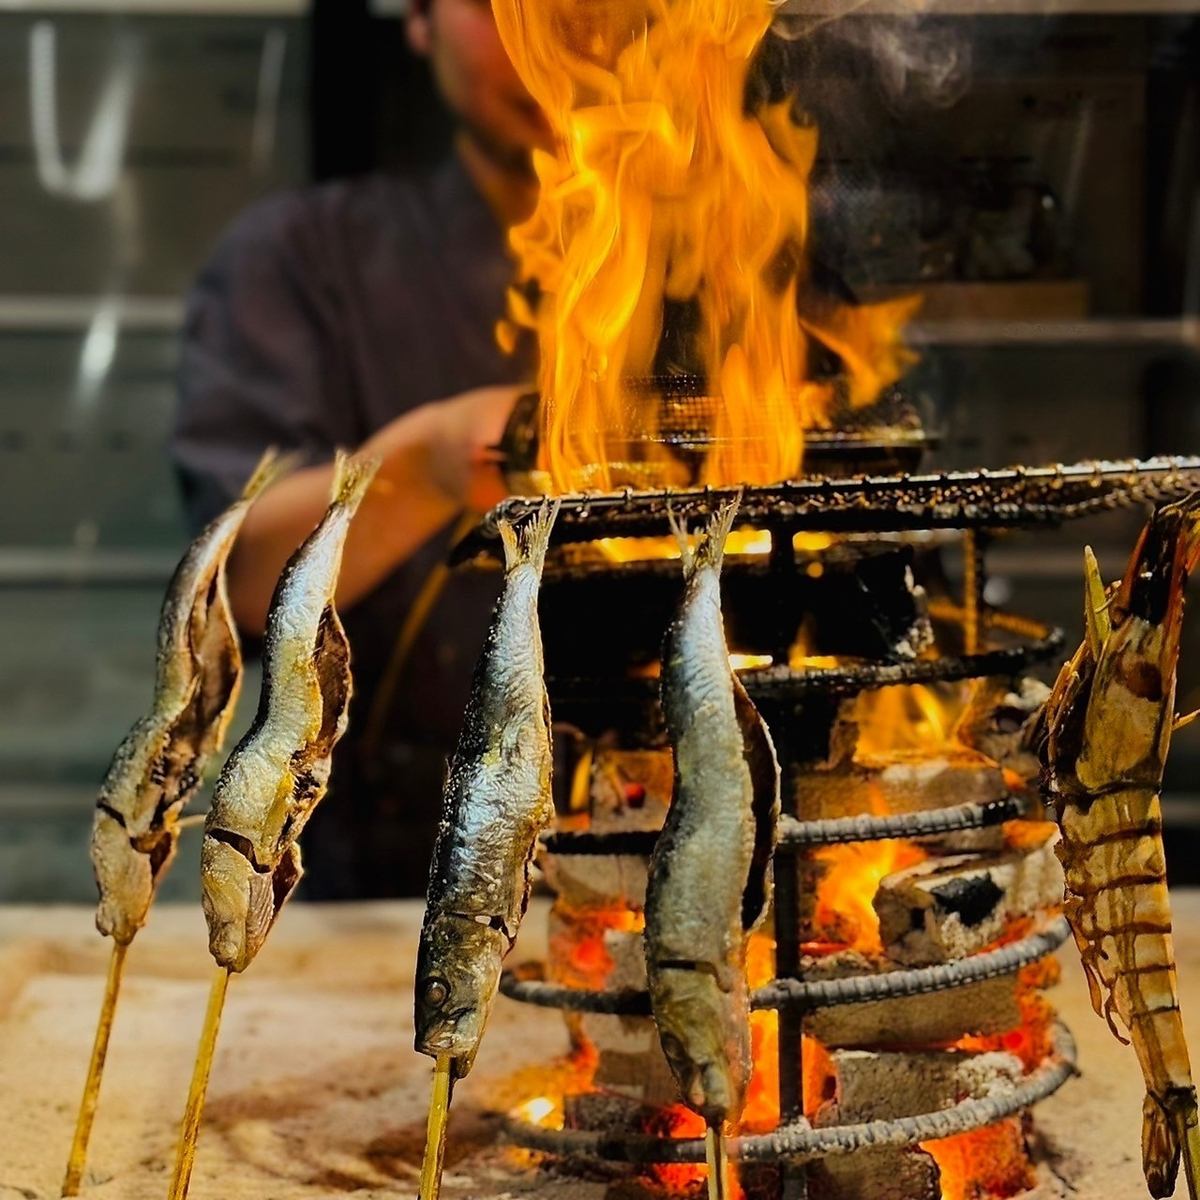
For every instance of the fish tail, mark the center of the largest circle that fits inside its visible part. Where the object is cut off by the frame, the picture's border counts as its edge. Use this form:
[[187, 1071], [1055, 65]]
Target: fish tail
[[680, 530], [272, 466], [351, 478], [1160, 1147], [711, 550], [529, 545]]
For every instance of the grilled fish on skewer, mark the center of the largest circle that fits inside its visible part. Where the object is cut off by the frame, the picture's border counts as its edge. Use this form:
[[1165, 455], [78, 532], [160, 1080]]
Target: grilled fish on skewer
[[496, 803], [1104, 735], [250, 860], [158, 766], [274, 779], [709, 877]]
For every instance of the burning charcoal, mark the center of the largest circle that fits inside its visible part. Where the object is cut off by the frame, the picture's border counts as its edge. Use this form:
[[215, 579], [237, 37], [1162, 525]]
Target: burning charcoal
[[945, 909], [995, 1160], [871, 1085], [628, 957], [597, 881], [865, 1085], [886, 1174], [629, 1060], [603, 1110], [906, 782], [998, 720], [630, 790], [987, 1008]]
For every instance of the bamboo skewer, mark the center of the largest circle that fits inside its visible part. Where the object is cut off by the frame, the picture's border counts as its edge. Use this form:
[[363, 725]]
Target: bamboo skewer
[[714, 1155], [186, 1155], [435, 1131], [1189, 1141], [91, 1088]]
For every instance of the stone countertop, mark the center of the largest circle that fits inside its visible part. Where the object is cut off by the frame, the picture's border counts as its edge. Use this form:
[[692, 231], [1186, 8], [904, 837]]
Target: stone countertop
[[315, 1091]]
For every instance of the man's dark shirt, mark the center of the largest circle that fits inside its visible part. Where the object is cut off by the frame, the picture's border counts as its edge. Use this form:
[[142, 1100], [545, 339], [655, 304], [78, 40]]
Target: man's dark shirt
[[323, 315]]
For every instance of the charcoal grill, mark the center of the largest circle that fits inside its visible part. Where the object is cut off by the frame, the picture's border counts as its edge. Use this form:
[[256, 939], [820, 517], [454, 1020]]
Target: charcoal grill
[[875, 518]]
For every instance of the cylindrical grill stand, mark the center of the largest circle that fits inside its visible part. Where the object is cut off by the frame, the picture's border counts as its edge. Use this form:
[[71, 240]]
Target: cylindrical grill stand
[[867, 513]]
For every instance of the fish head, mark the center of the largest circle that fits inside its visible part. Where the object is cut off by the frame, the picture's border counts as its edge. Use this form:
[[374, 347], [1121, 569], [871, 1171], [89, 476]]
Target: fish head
[[240, 902], [458, 975], [124, 878], [704, 1043]]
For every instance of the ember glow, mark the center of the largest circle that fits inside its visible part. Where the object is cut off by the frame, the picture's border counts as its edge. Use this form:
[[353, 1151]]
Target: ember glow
[[541, 1110], [761, 1113], [664, 188], [986, 1162], [740, 542], [891, 721], [845, 917], [911, 717]]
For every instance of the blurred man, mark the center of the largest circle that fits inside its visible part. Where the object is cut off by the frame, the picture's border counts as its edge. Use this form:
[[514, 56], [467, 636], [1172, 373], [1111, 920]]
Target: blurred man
[[361, 314]]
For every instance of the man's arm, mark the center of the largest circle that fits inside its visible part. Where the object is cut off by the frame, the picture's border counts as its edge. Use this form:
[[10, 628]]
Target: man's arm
[[262, 365], [434, 464]]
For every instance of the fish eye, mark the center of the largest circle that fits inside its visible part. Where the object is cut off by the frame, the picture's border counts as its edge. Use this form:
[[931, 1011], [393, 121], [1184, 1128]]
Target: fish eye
[[436, 992]]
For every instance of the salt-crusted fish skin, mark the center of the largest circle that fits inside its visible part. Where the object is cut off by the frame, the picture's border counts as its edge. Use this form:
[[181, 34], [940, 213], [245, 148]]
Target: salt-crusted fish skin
[[278, 773], [158, 766], [709, 881], [496, 803]]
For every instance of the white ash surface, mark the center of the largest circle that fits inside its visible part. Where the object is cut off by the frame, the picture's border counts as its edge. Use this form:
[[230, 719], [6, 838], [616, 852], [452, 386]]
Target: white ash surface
[[315, 1090]]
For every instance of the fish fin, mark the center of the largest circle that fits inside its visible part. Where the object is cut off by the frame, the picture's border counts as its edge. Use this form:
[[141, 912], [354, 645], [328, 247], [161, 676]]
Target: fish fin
[[680, 530], [351, 478], [711, 550], [528, 545], [271, 467], [535, 535], [1160, 1147], [759, 753], [512, 543], [1096, 620]]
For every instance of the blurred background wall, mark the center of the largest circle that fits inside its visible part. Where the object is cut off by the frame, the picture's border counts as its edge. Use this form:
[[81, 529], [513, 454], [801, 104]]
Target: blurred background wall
[[1036, 175]]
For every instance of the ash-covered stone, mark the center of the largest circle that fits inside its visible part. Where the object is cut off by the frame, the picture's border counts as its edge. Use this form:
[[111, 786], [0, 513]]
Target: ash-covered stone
[[872, 1085], [886, 1174], [989, 1007], [945, 909], [998, 722]]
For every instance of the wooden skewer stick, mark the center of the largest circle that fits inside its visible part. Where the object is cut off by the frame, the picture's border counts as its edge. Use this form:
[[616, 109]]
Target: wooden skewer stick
[[91, 1088], [186, 1156], [435, 1131], [1184, 722], [1189, 1140], [714, 1155]]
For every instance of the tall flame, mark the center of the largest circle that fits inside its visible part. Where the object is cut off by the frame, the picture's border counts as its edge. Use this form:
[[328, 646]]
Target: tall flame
[[665, 188]]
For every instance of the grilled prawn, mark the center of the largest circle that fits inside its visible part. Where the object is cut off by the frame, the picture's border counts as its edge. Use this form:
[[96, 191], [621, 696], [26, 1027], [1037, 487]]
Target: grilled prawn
[[274, 779], [157, 768], [496, 803], [1104, 736], [709, 877]]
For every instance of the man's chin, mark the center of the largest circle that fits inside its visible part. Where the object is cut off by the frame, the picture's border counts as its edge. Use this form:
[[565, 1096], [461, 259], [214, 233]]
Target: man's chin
[[513, 155]]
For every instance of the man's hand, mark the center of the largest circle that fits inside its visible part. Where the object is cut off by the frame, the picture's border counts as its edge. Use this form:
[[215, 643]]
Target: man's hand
[[464, 433], [435, 461]]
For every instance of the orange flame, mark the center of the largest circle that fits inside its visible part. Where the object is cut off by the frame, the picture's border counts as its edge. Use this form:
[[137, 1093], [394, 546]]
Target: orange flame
[[749, 542], [761, 1113], [664, 188], [906, 717], [986, 1162], [844, 916]]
